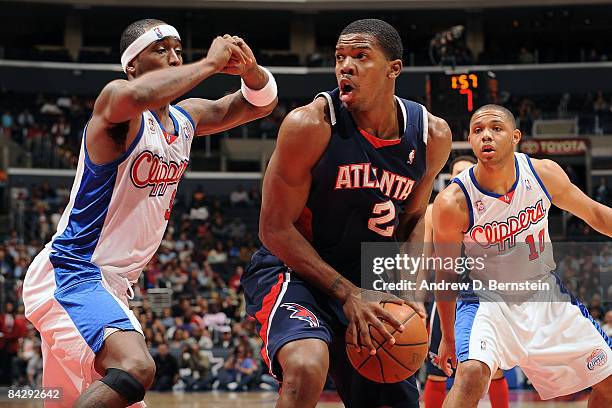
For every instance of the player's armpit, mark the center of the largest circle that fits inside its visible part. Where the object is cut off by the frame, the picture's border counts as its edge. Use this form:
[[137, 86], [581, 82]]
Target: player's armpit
[[569, 197], [214, 116], [439, 141]]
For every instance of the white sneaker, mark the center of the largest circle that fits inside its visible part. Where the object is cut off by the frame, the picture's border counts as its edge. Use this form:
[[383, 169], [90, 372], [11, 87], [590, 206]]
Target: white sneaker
[[232, 386]]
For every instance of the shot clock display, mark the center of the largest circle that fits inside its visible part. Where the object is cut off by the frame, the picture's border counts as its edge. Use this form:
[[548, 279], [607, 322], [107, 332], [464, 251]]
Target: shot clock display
[[461, 93]]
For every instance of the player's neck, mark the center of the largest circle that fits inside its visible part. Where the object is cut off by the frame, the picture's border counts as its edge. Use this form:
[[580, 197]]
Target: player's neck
[[496, 178], [163, 114], [380, 121]]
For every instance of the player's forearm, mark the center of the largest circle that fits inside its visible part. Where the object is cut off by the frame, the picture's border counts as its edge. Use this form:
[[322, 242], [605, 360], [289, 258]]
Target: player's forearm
[[298, 254], [160, 87], [601, 220]]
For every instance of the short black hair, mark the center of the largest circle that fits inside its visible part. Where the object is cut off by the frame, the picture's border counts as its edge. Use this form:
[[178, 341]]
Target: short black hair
[[504, 111], [135, 30], [387, 36], [461, 158]]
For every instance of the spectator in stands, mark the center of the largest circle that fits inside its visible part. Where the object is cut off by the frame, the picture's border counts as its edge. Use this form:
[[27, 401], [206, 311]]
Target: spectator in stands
[[600, 105], [34, 368], [27, 350], [607, 326], [217, 255], [237, 229], [198, 211], [239, 197], [25, 119], [194, 369], [60, 130], [13, 326], [239, 371], [7, 124], [218, 228], [602, 194], [525, 56], [166, 369]]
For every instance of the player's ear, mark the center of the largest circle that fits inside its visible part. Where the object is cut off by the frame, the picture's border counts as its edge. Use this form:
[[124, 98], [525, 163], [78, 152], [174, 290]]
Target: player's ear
[[395, 68], [131, 69], [516, 136]]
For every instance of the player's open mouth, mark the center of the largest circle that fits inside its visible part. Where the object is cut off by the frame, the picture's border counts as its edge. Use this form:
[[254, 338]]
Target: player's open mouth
[[487, 150], [346, 90]]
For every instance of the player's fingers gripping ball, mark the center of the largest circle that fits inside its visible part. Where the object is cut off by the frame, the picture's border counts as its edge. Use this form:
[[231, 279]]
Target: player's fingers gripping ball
[[392, 362]]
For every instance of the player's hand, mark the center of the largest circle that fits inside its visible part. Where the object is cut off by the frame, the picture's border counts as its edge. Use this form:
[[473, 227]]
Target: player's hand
[[224, 50], [363, 309], [235, 66], [446, 352]]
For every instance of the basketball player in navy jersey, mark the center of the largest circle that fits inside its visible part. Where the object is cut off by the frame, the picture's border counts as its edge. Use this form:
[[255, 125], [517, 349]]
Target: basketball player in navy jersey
[[498, 210], [355, 165], [435, 386], [134, 152]]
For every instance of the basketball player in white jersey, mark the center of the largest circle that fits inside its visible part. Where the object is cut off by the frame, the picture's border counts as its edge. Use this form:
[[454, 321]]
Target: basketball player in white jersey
[[135, 149], [498, 210], [435, 386]]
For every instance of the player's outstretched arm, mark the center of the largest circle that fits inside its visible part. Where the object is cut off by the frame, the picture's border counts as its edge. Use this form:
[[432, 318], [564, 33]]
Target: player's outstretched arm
[[439, 141], [302, 139], [450, 219], [569, 197], [117, 112], [123, 100], [234, 109]]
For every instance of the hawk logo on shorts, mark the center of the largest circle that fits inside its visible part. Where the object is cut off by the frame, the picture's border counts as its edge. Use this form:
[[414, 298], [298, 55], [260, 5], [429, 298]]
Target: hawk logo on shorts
[[301, 313], [598, 358]]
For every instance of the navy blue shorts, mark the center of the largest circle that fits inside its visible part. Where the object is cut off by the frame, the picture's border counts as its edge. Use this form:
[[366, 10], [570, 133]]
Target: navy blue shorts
[[287, 308], [435, 336]]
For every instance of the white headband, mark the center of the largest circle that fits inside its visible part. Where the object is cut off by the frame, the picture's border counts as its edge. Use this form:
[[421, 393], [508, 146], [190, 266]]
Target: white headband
[[142, 42]]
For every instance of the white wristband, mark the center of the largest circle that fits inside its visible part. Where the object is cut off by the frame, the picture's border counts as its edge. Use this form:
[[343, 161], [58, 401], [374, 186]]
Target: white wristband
[[263, 96]]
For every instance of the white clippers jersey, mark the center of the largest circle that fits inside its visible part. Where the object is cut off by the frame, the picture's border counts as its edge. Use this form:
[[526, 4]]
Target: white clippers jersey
[[509, 231], [118, 212]]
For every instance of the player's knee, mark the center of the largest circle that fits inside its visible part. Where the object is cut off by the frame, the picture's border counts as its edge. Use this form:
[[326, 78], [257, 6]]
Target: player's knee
[[303, 368], [141, 368], [472, 378], [125, 384]]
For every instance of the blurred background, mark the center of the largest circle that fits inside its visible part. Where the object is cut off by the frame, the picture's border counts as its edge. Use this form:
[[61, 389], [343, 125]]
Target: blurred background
[[549, 62]]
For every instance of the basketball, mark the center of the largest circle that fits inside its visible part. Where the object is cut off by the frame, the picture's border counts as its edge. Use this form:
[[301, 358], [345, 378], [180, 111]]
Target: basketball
[[393, 363]]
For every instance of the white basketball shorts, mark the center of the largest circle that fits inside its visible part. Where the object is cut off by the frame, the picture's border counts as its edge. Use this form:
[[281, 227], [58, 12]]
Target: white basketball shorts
[[556, 343]]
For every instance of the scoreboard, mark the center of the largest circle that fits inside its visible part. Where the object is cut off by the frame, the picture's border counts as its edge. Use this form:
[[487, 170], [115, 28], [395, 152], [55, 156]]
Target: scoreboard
[[460, 93]]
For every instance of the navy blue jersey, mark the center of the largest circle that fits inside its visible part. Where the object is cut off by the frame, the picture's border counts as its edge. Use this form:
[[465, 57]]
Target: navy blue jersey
[[360, 185]]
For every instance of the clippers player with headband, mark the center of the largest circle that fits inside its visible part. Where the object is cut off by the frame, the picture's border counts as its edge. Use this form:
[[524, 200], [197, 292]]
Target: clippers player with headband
[[134, 151], [498, 210], [355, 165], [435, 386]]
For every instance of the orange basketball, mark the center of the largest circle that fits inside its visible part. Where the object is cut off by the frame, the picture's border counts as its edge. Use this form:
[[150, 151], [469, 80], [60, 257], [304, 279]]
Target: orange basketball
[[393, 363]]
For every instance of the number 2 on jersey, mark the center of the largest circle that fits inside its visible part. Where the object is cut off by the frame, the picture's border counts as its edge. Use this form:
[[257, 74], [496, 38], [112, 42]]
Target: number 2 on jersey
[[387, 209]]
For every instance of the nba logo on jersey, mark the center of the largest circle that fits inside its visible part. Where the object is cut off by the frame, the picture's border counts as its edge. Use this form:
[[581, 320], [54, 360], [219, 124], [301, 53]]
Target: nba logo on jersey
[[158, 33], [528, 185], [411, 156], [480, 206]]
